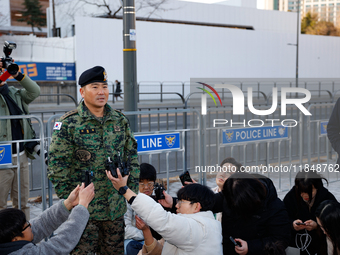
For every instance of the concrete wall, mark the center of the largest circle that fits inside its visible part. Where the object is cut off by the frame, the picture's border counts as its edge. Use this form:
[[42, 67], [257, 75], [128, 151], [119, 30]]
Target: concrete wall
[[186, 11], [38, 49], [175, 52]]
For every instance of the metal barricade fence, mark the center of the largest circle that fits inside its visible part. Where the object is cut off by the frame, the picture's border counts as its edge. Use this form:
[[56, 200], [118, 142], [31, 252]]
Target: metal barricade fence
[[185, 134], [253, 149], [43, 169], [205, 141], [323, 147]]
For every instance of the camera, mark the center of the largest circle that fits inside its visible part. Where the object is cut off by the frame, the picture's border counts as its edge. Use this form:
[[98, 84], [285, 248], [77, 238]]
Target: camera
[[7, 61], [117, 163], [88, 177], [159, 188]]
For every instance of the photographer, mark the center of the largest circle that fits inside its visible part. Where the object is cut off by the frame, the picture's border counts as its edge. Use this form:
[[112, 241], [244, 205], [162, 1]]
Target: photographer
[[134, 238], [18, 236], [193, 230], [15, 101]]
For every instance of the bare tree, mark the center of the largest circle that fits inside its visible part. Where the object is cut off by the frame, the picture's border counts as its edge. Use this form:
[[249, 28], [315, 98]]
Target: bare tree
[[112, 7]]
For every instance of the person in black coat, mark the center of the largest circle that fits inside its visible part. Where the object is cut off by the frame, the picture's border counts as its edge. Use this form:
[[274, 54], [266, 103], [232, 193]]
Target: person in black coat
[[252, 214], [301, 203], [118, 90], [333, 129]]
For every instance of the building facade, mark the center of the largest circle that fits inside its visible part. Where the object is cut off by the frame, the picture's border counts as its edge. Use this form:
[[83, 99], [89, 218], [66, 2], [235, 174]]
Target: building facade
[[327, 10], [10, 12]]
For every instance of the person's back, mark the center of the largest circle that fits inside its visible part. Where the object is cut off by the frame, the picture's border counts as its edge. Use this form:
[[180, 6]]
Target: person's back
[[252, 214], [203, 235]]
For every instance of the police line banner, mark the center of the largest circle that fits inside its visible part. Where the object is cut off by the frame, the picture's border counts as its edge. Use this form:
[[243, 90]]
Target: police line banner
[[254, 134], [43, 71], [158, 142], [323, 127], [5, 154]]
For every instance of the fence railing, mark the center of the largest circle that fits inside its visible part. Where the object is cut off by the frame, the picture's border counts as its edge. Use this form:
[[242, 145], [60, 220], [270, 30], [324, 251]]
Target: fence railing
[[203, 138], [163, 90]]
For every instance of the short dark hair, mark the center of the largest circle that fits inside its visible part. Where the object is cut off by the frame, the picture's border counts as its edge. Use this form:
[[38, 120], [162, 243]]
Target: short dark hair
[[12, 222], [244, 193], [197, 193], [147, 172], [328, 213], [233, 162], [274, 248], [305, 180]]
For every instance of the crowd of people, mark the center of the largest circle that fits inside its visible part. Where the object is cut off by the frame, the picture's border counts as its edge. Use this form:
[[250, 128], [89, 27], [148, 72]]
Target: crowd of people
[[117, 213]]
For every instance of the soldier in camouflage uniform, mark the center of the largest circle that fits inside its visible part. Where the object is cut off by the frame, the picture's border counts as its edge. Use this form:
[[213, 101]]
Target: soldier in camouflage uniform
[[82, 140]]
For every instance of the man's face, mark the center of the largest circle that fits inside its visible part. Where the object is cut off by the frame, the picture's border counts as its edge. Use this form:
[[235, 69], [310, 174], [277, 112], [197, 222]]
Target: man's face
[[28, 234], [146, 187], [95, 94]]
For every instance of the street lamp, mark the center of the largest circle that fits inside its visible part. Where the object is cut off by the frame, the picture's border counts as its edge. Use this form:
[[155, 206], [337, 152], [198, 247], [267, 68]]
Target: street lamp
[[297, 46]]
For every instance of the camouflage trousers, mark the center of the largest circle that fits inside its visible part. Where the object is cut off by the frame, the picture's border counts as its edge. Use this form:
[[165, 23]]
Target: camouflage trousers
[[102, 237]]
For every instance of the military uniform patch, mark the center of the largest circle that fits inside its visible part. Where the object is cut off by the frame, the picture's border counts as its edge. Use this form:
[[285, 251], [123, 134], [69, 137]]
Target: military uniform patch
[[117, 128], [88, 131], [57, 125], [83, 155], [69, 114]]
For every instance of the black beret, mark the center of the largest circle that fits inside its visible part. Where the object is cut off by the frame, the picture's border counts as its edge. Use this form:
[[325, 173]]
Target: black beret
[[94, 74]]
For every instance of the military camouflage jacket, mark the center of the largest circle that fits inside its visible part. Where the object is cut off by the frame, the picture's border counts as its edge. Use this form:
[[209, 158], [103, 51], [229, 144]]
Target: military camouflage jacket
[[81, 142]]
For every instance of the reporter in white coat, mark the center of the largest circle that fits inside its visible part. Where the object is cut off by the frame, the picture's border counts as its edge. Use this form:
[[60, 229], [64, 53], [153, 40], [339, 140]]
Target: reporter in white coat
[[193, 230]]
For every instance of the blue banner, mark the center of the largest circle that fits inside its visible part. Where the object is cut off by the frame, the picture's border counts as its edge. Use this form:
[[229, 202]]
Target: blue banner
[[5, 154], [323, 127], [158, 142], [41, 71], [254, 134]]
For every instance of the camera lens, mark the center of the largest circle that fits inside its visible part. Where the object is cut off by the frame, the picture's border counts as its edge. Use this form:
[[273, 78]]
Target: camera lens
[[12, 68]]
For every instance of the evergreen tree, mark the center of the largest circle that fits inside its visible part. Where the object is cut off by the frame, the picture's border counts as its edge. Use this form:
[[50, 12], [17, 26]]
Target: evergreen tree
[[308, 22], [33, 14]]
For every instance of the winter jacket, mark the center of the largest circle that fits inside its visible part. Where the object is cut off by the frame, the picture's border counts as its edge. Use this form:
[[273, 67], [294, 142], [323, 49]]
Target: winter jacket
[[131, 231], [333, 129], [298, 209], [196, 234], [23, 97], [268, 225], [42, 226]]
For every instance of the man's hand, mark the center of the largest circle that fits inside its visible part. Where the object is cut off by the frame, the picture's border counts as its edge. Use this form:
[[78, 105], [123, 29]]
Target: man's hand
[[187, 183], [167, 202], [72, 199], [310, 225], [244, 247], [117, 182], [86, 194], [298, 227], [140, 224]]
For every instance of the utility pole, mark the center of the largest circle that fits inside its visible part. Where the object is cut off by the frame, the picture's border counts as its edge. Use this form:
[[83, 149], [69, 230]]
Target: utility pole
[[297, 44], [54, 29], [130, 66]]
